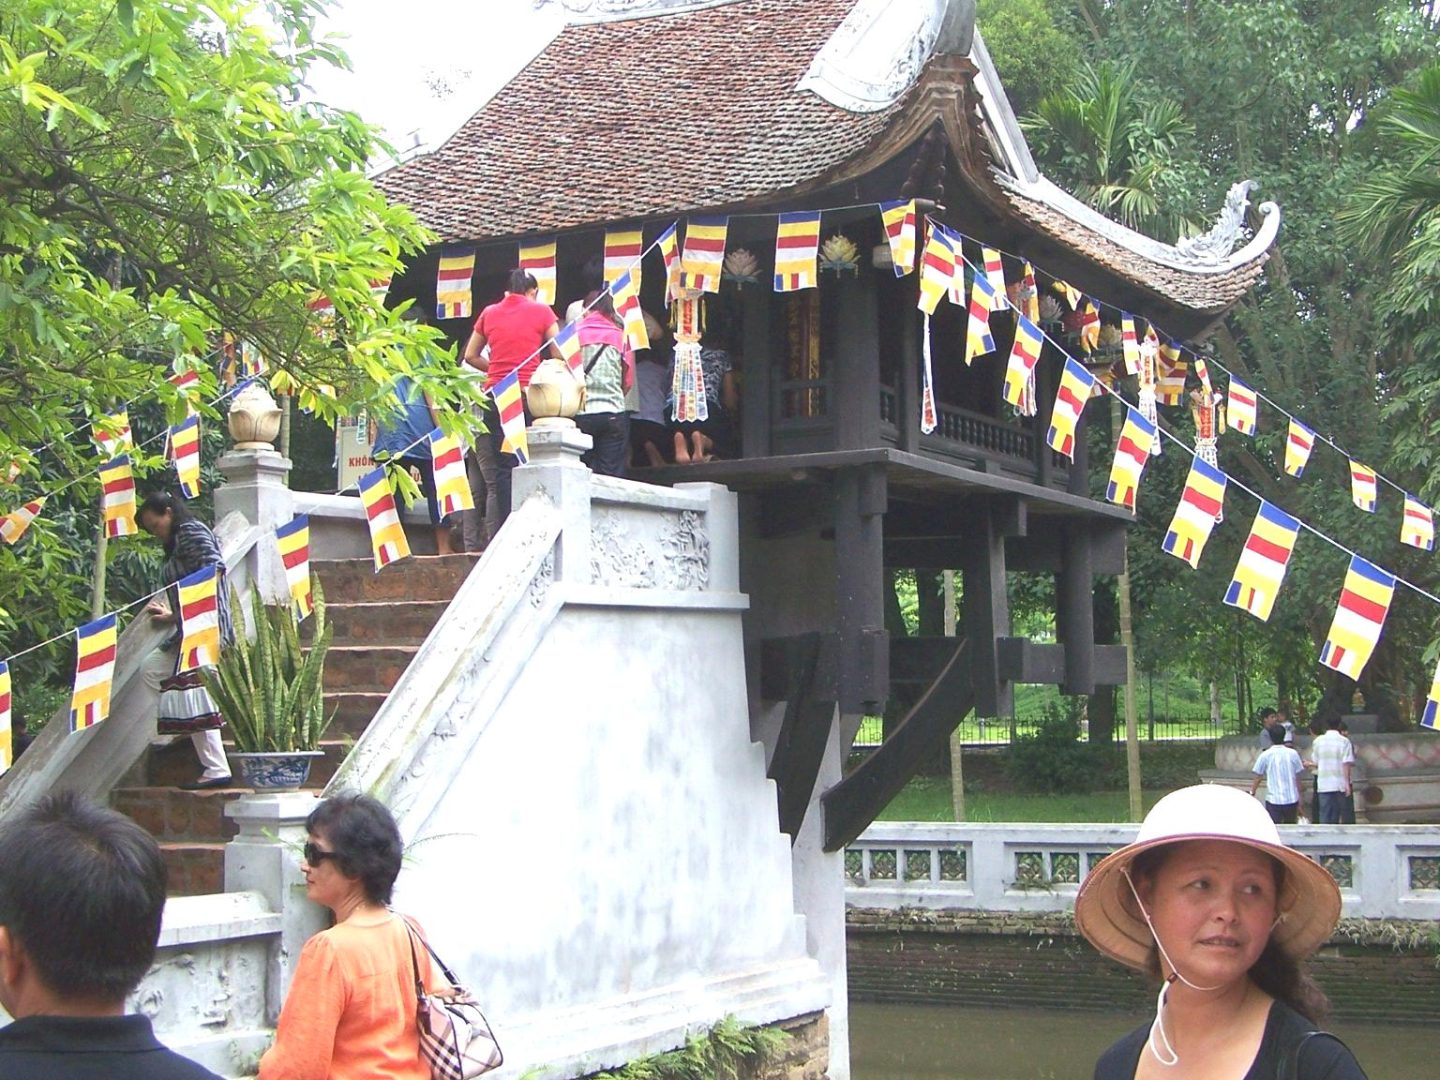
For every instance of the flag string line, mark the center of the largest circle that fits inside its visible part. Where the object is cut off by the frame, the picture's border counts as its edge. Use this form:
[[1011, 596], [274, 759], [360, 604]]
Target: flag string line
[[1210, 361]]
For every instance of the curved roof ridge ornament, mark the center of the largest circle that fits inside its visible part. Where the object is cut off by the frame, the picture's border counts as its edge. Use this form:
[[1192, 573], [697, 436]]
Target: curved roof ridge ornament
[[880, 49], [594, 11]]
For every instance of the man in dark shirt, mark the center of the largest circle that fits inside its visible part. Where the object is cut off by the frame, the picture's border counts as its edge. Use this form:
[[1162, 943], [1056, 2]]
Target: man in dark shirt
[[82, 889]]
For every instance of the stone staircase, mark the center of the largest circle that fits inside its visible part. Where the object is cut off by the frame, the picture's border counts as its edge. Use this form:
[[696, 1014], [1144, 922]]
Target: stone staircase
[[380, 621]]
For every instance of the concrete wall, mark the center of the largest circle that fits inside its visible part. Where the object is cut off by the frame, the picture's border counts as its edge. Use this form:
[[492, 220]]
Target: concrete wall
[[593, 842]]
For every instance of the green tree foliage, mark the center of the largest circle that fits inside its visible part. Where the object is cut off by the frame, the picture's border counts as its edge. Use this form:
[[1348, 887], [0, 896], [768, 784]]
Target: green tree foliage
[[1033, 46], [1281, 92], [162, 181]]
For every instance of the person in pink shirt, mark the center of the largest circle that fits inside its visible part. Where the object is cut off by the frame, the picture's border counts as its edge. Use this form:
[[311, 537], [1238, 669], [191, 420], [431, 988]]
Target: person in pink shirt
[[512, 335]]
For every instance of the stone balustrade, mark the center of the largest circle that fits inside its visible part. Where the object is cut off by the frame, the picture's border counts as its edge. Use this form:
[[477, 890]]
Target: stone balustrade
[[1384, 871]]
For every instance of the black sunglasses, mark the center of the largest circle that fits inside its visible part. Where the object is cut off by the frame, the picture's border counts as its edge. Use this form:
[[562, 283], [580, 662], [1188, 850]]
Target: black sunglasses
[[315, 855]]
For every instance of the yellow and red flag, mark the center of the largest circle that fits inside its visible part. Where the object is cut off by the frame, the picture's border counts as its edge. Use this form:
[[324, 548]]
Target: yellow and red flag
[[1069, 292], [1431, 715], [7, 751], [995, 274], [1132, 451], [1363, 491], [14, 524], [797, 251], [387, 535], [1299, 441], [670, 258], [185, 453], [452, 284], [1029, 294], [703, 257], [1024, 355], [537, 258], [199, 619], [293, 540], [978, 339], [623, 248], [899, 219], [452, 486], [1417, 528], [112, 434], [94, 670], [937, 268], [510, 405], [1359, 618], [1170, 376], [188, 385], [117, 498], [1263, 561], [1076, 385], [1200, 506], [1130, 343], [1242, 407], [567, 341], [1202, 372], [627, 305], [1089, 327]]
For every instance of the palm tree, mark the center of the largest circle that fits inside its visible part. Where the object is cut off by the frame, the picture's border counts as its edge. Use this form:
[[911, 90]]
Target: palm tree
[[1113, 147]]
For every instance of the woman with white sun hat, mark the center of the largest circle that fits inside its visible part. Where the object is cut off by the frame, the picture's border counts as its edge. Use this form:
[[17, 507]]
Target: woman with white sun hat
[[1211, 902]]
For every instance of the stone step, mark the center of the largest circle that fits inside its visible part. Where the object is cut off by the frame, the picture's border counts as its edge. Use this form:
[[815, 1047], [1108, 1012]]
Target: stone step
[[169, 814], [352, 713], [194, 869], [389, 622], [366, 668], [423, 577], [173, 765]]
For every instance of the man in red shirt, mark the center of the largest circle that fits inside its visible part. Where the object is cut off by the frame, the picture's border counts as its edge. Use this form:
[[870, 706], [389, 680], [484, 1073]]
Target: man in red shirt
[[519, 331]]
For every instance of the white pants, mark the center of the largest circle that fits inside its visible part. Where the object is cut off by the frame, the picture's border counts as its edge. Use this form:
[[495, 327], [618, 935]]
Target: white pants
[[209, 747]]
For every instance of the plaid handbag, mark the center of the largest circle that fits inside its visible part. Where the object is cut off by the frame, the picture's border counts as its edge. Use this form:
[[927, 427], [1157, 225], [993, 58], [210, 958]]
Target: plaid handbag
[[455, 1038]]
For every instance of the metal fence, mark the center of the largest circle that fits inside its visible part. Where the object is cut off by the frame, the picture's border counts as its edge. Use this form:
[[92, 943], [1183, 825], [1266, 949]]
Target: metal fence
[[1001, 732]]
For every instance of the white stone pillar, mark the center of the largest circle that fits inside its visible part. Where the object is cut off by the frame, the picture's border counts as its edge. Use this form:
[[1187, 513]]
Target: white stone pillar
[[555, 468], [265, 857], [256, 487]]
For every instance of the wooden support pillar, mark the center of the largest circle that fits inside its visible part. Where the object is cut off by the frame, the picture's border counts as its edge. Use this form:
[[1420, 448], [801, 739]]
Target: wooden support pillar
[[1075, 611], [1045, 385], [907, 382], [756, 349], [986, 611], [860, 498], [1079, 480], [855, 375]]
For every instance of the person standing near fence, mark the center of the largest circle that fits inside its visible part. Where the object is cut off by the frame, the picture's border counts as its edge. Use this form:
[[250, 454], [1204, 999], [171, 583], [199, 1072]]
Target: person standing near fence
[[1280, 767], [1332, 756]]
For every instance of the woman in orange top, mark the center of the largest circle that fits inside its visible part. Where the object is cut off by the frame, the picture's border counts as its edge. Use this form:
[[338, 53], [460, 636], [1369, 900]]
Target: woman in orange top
[[350, 1012]]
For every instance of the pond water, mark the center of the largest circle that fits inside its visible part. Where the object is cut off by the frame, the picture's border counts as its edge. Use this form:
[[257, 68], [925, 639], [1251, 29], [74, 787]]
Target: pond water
[[942, 1042]]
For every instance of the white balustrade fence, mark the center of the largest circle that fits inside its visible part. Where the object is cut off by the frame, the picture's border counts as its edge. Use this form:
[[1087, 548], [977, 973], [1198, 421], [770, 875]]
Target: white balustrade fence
[[1384, 871]]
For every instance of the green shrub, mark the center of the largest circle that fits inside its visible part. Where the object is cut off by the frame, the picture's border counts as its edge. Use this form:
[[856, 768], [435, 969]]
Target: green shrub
[[1054, 758]]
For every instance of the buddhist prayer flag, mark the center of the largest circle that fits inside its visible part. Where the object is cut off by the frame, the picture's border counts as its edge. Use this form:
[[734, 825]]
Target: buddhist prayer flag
[[510, 404], [199, 619], [1069, 292], [1202, 372], [387, 535], [12, 471], [899, 219], [7, 754], [978, 339], [627, 306], [703, 257], [538, 259], [1130, 344], [1263, 561], [113, 436], [188, 384], [1417, 528], [1089, 327], [94, 670], [1299, 441], [1170, 377], [995, 274], [380, 288], [1241, 407], [929, 412], [1131, 454], [567, 341], [293, 540], [1362, 486], [1029, 294], [937, 268], [797, 250], [623, 248], [670, 256], [1076, 385], [1199, 508], [452, 486], [1431, 716], [1024, 355], [14, 524], [452, 284], [185, 453], [117, 498], [252, 361], [1359, 618]]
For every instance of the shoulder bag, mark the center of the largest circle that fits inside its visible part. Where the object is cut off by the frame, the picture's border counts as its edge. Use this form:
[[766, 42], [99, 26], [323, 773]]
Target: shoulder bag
[[455, 1038]]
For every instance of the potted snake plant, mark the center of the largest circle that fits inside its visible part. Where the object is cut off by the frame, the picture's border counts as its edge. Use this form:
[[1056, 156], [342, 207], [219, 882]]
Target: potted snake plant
[[270, 689]]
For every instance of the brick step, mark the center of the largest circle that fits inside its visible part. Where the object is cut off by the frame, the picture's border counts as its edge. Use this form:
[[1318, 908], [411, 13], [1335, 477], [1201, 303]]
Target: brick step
[[173, 765], [176, 816], [423, 577], [366, 668], [194, 869], [352, 713], [390, 622]]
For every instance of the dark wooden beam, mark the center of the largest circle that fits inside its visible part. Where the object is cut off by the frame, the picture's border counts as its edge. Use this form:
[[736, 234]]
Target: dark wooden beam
[[805, 729], [758, 350], [860, 501], [1075, 610], [806, 507], [852, 804], [986, 610], [855, 380], [907, 383]]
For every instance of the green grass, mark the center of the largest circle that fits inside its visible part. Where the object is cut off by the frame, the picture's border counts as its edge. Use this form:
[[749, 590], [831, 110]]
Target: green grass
[[927, 798]]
